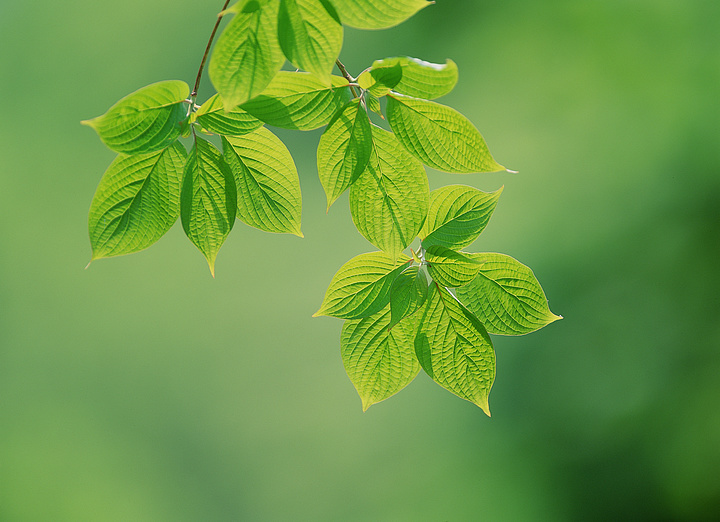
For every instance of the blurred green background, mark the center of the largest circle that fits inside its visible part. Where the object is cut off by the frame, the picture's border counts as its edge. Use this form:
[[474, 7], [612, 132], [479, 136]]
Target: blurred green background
[[142, 389]]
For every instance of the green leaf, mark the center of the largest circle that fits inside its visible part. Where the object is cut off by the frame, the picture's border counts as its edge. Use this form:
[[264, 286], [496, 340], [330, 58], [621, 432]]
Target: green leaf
[[407, 294], [362, 286], [344, 150], [247, 55], [208, 202], [380, 362], [145, 121], [439, 136], [213, 118], [374, 105], [378, 81], [449, 268], [300, 101], [137, 201], [267, 181], [422, 79], [310, 35], [454, 349], [457, 216], [506, 296], [389, 201], [377, 14]]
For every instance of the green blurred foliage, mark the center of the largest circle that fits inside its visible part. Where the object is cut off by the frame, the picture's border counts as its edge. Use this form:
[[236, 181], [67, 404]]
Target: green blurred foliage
[[142, 389]]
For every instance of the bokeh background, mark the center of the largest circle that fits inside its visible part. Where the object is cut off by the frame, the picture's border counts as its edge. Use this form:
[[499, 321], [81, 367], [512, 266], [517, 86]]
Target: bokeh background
[[143, 389]]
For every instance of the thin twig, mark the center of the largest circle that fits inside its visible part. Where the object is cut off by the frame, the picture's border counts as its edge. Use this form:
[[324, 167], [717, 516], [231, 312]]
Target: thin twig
[[347, 76], [193, 95]]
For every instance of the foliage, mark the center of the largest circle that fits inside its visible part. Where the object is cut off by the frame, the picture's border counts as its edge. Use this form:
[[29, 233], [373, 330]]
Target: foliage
[[431, 309]]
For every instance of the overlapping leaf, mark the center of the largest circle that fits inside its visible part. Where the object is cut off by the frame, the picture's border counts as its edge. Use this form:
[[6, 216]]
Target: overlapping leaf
[[247, 55], [301, 101], [439, 136], [379, 361], [344, 150], [362, 286], [421, 79], [208, 202], [454, 349], [457, 216], [213, 118], [267, 181], [377, 14], [379, 80], [450, 268], [506, 296], [137, 201], [407, 294], [310, 35], [145, 121], [389, 201]]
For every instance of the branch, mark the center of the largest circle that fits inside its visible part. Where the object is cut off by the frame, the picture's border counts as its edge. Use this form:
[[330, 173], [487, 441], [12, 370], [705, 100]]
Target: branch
[[193, 95]]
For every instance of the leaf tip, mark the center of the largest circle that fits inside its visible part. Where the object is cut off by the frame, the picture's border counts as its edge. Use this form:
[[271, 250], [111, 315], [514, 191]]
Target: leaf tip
[[299, 234], [512, 171], [89, 123], [319, 313], [366, 403], [484, 405]]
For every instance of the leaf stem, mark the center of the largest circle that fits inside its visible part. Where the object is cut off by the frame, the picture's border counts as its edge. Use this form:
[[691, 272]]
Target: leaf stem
[[347, 76], [193, 95]]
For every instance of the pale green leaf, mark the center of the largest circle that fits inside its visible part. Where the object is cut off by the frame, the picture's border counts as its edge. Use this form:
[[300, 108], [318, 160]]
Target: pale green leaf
[[344, 150], [145, 121], [457, 216], [362, 286], [310, 35], [377, 14], [373, 104], [268, 187], [407, 294], [439, 136], [454, 349], [296, 100], [208, 202], [422, 79], [247, 55], [449, 268], [389, 201], [213, 118], [506, 296], [378, 81], [379, 361], [137, 201]]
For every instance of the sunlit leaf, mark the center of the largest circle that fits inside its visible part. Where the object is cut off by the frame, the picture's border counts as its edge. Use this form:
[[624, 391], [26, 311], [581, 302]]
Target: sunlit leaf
[[362, 286], [145, 121], [310, 35], [421, 79], [208, 201], [454, 349], [344, 150], [379, 361], [213, 118], [439, 136], [449, 268], [137, 201], [389, 201], [379, 80], [377, 14], [407, 294], [268, 187], [506, 296], [302, 101], [457, 216]]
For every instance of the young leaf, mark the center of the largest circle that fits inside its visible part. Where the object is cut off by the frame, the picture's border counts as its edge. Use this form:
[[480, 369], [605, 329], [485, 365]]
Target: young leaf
[[145, 121], [301, 101], [344, 150], [137, 201], [310, 35], [454, 349], [208, 201], [268, 186], [373, 104], [449, 268], [379, 80], [407, 294], [362, 286], [379, 361], [506, 296], [421, 79], [377, 14], [247, 55], [457, 216], [439, 136], [213, 118], [389, 201]]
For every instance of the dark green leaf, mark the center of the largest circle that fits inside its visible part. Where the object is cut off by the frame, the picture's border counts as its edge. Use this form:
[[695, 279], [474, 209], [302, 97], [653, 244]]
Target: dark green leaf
[[379, 80], [408, 293], [422, 79], [449, 268]]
